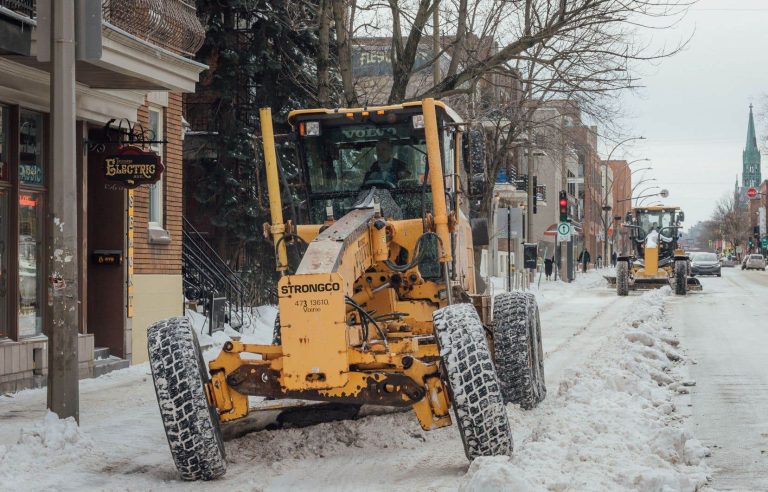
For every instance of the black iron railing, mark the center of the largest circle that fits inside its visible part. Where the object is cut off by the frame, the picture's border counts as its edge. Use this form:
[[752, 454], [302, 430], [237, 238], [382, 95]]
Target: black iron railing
[[22, 7], [206, 276], [172, 24]]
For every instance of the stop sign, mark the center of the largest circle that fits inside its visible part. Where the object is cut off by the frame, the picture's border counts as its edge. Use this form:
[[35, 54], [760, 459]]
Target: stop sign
[[752, 192]]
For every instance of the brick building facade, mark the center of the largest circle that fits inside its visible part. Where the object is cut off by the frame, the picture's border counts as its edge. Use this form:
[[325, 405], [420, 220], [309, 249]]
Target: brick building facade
[[622, 192], [129, 241]]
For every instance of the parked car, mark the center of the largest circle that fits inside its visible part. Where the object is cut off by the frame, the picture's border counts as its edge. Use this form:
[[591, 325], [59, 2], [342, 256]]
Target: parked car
[[704, 264], [753, 262]]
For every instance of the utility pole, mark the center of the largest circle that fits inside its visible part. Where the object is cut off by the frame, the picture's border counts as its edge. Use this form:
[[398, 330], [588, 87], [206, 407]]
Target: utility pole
[[63, 392]]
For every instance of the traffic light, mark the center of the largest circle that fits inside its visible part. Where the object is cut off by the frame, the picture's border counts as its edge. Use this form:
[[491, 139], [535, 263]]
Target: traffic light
[[750, 244], [535, 194], [563, 201]]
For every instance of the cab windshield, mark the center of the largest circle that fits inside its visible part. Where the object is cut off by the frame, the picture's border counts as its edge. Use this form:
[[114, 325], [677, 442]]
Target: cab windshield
[[350, 158], [660, 219], [346, 160]]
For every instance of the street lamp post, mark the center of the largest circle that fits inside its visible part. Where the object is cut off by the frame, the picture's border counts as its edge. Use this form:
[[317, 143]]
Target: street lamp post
[[617, 230], [639, 183], [606, 207]]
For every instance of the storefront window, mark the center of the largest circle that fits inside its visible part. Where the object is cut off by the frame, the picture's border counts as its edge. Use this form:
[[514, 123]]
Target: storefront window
[[30, 263], [4, 215], [31, 149], [156, 189]]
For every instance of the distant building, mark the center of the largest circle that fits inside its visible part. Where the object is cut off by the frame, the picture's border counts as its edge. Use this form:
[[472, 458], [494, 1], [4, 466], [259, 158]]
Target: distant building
[[751, 157], [621, 204]]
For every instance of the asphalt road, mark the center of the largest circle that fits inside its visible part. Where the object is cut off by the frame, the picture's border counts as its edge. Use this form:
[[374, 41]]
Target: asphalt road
[[725, 330]]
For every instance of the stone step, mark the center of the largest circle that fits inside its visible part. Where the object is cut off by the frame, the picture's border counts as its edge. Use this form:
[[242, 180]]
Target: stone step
[[100, 353], [111, 363]]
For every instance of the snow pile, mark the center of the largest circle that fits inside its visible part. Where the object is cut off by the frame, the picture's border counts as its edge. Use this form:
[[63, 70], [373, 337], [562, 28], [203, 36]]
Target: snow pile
[[258, 325], [50, 442], [495, 473], [611, 425]]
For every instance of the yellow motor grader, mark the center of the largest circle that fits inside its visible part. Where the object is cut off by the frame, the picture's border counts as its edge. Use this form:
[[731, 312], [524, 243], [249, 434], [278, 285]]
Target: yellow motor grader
[[657, 260], [382, 308]]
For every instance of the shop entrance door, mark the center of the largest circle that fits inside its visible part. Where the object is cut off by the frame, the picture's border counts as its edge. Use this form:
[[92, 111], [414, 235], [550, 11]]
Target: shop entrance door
[[107, 226]]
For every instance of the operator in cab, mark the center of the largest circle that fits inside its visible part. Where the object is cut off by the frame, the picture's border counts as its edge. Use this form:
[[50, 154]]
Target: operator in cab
[[652, 239], [386, 167]]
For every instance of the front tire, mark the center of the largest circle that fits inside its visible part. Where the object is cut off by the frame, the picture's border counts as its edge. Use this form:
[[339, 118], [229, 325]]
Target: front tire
[[518, 351], [622, 278], [680, 281], [469, 373], [191, 422]]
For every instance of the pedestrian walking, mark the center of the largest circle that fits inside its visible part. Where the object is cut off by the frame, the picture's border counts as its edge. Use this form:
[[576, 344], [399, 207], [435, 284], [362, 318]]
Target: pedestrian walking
[[548, 263], [584, 258], [613, 259]]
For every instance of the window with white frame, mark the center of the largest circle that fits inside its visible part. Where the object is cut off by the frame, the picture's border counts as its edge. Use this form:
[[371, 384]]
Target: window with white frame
[[156, 190]]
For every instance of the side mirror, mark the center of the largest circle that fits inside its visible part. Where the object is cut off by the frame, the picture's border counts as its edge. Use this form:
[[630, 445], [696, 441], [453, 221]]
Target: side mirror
[[681, 216], [628, 217], [473, 148]]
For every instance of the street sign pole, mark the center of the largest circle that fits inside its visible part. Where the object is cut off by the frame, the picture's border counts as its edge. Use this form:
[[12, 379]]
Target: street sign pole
[[63, 395]]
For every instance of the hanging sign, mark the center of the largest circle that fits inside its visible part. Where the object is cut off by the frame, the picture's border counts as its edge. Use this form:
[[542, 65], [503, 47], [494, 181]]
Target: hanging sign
[[133, 166]]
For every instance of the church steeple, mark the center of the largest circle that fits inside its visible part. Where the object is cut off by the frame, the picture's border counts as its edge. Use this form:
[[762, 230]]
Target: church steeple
[[751, 156]]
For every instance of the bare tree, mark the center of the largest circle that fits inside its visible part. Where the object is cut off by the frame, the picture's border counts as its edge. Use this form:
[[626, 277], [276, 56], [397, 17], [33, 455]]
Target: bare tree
[[730, 220]]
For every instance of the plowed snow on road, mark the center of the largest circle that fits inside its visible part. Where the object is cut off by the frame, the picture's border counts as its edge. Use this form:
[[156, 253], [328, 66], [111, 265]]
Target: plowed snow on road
[[609, 423]]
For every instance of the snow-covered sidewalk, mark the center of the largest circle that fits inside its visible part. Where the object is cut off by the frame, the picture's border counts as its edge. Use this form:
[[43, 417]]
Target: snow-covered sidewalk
[[608, 423]]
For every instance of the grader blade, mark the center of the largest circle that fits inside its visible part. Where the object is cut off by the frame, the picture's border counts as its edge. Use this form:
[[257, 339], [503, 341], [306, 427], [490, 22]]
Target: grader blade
[[280, 414], [650, 283]]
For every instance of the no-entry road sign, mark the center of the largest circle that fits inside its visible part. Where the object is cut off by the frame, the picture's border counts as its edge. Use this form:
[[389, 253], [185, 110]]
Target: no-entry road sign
[[752, 192]]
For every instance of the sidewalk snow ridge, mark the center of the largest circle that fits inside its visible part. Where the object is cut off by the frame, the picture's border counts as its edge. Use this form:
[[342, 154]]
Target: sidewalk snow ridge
[[612, 424], [52, 441]]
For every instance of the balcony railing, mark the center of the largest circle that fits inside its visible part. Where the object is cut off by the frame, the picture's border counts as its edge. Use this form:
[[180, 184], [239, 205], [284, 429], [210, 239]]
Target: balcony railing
[[171, 24], [22, 7]]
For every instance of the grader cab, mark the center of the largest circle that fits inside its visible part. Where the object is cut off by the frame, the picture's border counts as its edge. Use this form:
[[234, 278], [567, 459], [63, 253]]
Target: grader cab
[[382, 307], [656, 260]]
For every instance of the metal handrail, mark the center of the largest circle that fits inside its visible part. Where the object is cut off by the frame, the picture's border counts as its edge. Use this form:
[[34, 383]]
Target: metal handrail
[[206, 273]]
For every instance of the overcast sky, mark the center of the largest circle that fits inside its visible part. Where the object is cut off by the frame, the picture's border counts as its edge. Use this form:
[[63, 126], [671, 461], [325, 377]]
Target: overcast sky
[[694, 107]]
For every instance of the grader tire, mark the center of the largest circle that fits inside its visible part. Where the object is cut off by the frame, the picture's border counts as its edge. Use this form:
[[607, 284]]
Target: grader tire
[[518, 352], [681, 269], [191, 422], [469, 373], [622, 278]]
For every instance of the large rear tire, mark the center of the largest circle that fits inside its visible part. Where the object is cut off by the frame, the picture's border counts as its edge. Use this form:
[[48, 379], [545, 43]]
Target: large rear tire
[[191, 422], [681, 287], [518, 352], [471, 378], [622, 278]]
